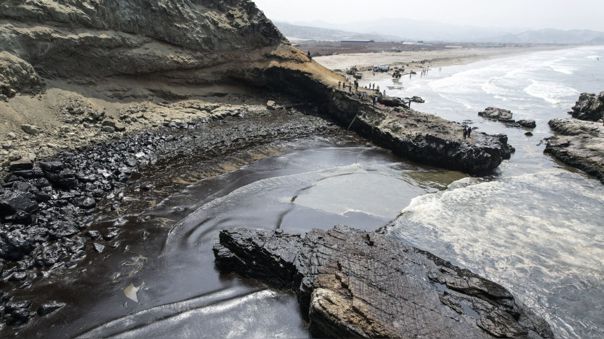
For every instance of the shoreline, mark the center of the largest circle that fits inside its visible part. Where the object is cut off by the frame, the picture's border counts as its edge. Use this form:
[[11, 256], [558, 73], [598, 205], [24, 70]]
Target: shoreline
[[435, 58]]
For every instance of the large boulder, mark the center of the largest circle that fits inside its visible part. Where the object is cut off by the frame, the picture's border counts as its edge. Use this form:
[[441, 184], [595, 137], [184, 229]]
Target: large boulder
[[353, 284], [17, 75], [529, 123], [498, 114], [579, 144], [13, 202], [589, 107]]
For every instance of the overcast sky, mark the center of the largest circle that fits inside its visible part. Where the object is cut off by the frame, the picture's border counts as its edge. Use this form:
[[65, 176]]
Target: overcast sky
[[563, 14]]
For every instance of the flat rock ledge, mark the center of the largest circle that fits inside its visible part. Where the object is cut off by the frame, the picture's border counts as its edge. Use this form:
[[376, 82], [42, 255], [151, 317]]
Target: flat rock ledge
[[579, 144], [506, 116], [421, 137], [353, 283]]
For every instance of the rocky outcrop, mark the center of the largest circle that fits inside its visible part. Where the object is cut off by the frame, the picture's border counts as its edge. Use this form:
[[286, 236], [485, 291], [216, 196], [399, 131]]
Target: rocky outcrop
[[527, 123], [422, 137], [353, 283], [498, 114], [579, 144], [507, 117], [589, 107], [16, 75]]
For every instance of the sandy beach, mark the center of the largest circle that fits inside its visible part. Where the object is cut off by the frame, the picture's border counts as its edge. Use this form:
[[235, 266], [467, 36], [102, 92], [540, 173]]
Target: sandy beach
[[418, 59]]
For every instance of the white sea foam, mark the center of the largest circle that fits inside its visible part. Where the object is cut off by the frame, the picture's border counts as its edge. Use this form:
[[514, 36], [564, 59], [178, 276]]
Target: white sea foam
[[552, 92], [564, 69], [539, 234]]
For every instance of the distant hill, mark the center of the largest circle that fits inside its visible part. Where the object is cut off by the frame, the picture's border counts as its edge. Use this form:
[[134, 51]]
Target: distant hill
[[553, 36], [412, 30], [299, 32], [408, 29]]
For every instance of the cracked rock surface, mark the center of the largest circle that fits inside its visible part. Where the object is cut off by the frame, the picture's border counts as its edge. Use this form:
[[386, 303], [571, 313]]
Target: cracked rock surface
[[353, 283]]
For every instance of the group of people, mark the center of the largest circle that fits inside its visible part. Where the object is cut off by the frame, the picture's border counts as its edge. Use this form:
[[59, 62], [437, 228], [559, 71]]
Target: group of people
[[373, 86], [350, 87], [467, 132], [354, 88]]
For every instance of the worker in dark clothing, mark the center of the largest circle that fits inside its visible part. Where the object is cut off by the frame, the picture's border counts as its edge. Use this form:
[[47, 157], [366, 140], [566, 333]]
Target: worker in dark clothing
[[469, 132], [465, 132], [309, 56]]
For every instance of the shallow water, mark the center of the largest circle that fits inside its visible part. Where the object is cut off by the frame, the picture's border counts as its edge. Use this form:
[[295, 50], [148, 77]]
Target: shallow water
[[314, 184], [538, 226]]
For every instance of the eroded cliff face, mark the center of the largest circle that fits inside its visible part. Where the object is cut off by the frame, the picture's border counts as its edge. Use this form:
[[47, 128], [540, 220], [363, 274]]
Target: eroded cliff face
[[66, 38]]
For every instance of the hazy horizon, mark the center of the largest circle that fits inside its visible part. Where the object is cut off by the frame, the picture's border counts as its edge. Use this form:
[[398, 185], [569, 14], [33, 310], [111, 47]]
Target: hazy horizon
[[510, 14]]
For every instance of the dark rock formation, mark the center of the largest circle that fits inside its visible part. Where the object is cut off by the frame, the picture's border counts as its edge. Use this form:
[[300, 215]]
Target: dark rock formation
[[506, 116], [357, 284], [579, 144], [392, 101], [527, 123], [590, 107], [498, 114], [421, 137]]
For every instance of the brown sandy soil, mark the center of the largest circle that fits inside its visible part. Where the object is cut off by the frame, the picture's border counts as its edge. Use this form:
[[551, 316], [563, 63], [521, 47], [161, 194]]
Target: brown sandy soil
[[70, 114]]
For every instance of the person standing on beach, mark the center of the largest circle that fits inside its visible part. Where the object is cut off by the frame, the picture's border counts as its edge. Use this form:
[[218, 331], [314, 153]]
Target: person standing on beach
[[465, 132]]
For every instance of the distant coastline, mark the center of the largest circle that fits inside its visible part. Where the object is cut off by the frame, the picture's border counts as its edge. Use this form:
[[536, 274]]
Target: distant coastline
[[417, 59]]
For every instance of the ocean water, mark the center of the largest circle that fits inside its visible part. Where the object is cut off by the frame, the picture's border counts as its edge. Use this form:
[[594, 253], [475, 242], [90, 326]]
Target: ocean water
[[536, 226]]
